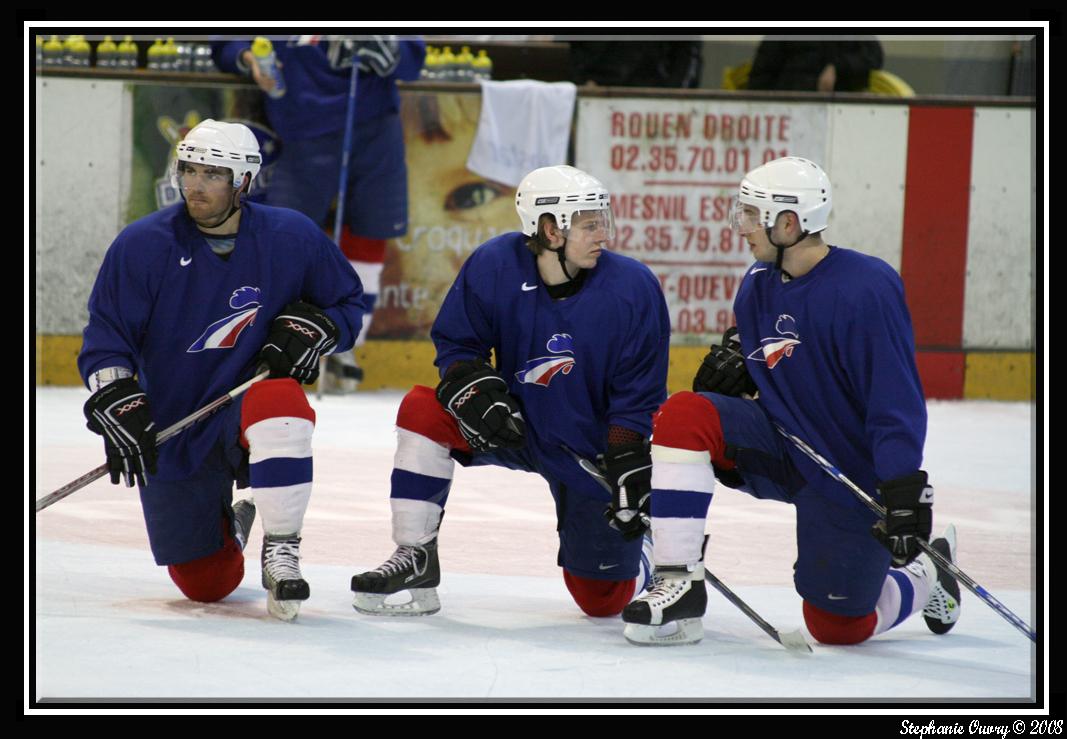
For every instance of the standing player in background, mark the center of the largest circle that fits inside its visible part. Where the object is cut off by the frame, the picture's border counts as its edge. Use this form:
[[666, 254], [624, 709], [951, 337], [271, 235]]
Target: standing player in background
[[823, 65], [580, 338], [189, 302], [310, 120], [824, 341]]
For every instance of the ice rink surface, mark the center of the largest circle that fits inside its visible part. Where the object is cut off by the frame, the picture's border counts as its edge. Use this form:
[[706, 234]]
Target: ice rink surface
[[107, 624]]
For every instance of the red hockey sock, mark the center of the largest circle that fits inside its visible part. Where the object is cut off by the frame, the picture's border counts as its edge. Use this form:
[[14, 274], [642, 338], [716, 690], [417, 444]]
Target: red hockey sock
[[599, 597], [691, 421], [830, 628], [361, 249], [277, 398], [213, 577], [420, 412]]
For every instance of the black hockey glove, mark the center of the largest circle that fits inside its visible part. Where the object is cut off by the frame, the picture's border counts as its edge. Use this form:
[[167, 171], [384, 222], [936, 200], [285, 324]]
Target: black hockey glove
[[723, 370], [629, 470], [119, 412], [378, 54], [299, 336], [478, 398], [909, 516]]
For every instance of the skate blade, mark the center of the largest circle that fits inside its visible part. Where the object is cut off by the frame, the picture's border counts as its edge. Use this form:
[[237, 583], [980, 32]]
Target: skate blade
[[682, 631], [414, 602], [283, 610], [950, 537]]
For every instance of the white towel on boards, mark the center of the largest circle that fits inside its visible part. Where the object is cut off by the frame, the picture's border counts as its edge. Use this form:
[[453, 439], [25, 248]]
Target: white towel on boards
[[524, 125]]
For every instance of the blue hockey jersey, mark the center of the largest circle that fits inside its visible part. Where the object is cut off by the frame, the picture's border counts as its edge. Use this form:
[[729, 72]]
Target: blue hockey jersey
[[191, 324], [832, 353], [316, 98], [577, 365]]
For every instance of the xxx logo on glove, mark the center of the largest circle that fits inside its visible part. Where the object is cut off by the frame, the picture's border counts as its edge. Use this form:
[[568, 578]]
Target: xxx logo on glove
[[465, 397], [301, 329], [124, 409]]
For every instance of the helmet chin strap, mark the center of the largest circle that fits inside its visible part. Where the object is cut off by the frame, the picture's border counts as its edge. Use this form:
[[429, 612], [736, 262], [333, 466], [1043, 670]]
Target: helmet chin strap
[[782, 247], [562, 259]]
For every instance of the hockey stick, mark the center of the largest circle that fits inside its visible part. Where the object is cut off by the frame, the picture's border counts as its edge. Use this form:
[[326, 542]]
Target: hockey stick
[[342, 186], [794, 641], [872, 504], [163, 435]]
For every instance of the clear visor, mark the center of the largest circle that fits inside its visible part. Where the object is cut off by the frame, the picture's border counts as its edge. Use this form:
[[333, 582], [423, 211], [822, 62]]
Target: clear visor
[[188, 176], [744, 218], [597, 225]]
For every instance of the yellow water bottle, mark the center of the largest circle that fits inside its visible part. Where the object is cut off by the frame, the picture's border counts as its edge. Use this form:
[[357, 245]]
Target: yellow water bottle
[[107, 54], [128, 53], [483, 66], [263, 51], [155, 51], [53, 52]]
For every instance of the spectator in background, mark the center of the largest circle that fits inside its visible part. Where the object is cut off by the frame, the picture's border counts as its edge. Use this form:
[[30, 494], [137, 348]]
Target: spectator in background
[[636, 63], [310, 120], [824, 66]]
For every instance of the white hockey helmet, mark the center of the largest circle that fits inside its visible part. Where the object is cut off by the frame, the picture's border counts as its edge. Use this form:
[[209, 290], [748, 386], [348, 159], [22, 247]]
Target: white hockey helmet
[[563, 192], [786, 184], [220, 144]]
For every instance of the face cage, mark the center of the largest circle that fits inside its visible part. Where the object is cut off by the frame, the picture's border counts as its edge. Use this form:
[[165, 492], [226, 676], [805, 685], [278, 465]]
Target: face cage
[[603, 218], [743, 221], [175, 179]]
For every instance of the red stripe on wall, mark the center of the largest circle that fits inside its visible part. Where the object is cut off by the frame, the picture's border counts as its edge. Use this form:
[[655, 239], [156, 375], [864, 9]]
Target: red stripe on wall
[[941, 373], [934, 254]]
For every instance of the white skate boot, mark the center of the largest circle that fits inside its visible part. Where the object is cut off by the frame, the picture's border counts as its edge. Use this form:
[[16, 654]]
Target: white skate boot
[[672, 610], [285, 586], [414, 569], [942, 609]]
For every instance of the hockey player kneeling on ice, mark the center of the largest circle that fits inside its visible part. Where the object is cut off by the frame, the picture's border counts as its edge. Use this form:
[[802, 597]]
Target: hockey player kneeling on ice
[[580, 337], [824, 349], [194, 300]]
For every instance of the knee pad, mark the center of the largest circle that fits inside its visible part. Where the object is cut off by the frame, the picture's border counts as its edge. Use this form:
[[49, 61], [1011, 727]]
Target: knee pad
[[421, 413], [830, 628], [690, 421], [599, 597], [275, 399], [213, 577]]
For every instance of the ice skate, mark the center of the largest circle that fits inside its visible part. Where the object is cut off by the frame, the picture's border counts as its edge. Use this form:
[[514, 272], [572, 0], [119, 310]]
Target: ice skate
[[285, 586], [412, 570], [942, 609], [672, 610], [244, 513]]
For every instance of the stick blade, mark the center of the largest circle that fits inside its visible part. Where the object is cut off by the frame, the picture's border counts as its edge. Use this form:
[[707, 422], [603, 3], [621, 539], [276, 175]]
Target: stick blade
[[795, 642]]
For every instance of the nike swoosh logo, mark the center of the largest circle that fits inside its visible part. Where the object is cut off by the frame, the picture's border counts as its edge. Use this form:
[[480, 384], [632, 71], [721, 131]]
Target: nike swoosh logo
[[607, 567], [837, 597], [528, 288], [185, 261], [761, 269]]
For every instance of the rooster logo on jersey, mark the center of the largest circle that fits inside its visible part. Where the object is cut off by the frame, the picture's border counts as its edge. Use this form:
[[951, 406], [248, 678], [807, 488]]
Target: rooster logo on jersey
[[223, 334], [541, 370], [776, 348]]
